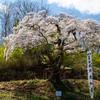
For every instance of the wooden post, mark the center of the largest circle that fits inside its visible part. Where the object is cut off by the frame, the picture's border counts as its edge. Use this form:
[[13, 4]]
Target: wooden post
[[58, 94], [56, 97]]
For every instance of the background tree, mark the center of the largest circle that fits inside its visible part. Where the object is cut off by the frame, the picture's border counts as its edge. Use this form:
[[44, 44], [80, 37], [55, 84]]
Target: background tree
[[22, 7], [12, 13], [58, 36], [6, 18]]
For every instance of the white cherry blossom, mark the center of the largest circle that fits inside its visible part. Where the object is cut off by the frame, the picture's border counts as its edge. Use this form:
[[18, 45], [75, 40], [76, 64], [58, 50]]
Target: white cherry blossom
[[36, 27]]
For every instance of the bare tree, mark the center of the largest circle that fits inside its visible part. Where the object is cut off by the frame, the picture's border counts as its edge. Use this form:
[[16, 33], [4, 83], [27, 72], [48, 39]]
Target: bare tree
[[18, 10], [6, 18], [22, 7]]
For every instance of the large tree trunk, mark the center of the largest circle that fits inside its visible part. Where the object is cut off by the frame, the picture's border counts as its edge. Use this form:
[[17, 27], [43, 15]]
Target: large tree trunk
[[55, 77]]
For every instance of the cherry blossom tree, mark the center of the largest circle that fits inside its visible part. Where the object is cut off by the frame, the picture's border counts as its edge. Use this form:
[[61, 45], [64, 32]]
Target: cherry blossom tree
[[61, 35]]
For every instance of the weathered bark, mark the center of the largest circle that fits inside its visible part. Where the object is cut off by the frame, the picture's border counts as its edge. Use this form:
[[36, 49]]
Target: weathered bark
[[55, 77]]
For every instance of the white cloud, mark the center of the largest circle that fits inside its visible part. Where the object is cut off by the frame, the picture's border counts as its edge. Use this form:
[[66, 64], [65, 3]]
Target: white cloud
[[84, 6]]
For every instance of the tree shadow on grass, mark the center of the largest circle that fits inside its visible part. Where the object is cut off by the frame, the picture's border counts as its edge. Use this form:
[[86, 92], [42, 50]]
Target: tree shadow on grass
[[30, 97], [69, 91]]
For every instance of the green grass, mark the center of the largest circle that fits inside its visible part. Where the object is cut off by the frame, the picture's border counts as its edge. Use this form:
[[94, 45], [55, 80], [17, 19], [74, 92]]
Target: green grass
[[32, 80], [8, 96], [31, 97]]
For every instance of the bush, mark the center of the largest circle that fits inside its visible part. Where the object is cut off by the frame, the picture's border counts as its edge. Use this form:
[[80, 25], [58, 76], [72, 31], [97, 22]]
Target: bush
[[2, 48], [18, 66], [96, 60], [17, 53]]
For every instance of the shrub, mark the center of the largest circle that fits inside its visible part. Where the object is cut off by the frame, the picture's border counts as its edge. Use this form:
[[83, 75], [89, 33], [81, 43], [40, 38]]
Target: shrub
[[17, 53], [96, 60], [2, 47]]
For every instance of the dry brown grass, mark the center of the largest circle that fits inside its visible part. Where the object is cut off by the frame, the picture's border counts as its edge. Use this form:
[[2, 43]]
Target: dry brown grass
[[45, 88]]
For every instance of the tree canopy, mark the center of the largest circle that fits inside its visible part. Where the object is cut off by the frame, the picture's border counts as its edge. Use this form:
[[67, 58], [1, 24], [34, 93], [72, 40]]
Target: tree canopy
[[65, 32], [59, 36]]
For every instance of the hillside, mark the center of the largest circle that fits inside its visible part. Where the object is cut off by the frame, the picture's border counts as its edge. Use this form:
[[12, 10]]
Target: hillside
[[45, 90]]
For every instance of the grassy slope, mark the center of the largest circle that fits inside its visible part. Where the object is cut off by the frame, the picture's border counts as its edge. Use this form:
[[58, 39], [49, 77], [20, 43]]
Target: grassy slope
[[45, 90]]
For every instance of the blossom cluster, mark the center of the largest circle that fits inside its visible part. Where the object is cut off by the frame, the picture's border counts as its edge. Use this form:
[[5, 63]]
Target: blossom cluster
[[36, 27]]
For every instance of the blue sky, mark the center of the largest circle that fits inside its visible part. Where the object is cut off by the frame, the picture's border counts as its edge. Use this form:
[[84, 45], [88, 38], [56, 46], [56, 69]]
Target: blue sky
[[83, 9]]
